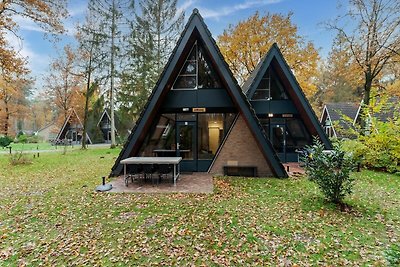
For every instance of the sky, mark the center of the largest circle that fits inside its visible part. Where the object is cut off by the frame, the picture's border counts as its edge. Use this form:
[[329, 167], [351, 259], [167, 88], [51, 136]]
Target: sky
[[308, 15]]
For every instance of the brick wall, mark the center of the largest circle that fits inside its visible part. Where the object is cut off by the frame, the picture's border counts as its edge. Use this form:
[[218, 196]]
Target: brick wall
[[241, 149]]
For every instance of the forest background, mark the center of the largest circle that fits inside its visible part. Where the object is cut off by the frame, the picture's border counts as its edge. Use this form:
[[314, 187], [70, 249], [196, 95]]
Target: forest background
[[121, 47]]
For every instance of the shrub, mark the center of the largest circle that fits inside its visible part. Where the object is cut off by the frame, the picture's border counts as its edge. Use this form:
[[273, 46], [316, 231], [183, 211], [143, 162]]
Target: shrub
[[22, 138], [355, 148], [5, 141], [330, 170], [19, 158], [34, 139], [379, 150]]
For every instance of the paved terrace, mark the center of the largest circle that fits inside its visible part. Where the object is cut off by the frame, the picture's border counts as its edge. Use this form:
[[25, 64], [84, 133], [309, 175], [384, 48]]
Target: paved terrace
[[197, 182]]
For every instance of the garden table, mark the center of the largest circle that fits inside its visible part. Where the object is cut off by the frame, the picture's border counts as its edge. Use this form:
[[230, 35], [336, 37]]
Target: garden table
[[154, 160]]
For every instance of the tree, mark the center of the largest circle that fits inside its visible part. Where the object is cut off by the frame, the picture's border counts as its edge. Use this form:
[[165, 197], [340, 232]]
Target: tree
[[341, 77], [244, 44], [153, 35], [47, 14], [88, 40], [162, 24], [374, 40], [109, 15], [63, 82], [13, 94], [41, 112]]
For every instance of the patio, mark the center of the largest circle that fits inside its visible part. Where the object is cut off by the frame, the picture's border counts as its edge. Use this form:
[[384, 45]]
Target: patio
[[198, 182]]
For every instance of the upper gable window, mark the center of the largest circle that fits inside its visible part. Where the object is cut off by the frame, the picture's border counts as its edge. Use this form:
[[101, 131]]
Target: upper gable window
[[197, 72], [269, 88]]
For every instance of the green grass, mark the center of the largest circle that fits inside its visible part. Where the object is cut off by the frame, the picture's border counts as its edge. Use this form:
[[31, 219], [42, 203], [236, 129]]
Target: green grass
[[32, 146], [50, 215]]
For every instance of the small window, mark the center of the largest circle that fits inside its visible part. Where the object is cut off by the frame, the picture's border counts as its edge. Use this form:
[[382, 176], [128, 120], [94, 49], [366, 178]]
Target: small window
[[263, 91], [197, 72], [270, 87]]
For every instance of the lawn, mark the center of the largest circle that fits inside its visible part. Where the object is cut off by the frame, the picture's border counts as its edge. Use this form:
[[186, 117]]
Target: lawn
[[35, 147], [50, 215]]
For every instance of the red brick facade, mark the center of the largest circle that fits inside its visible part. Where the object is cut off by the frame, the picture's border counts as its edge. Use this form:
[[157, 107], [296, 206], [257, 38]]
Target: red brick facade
[[241, 149]]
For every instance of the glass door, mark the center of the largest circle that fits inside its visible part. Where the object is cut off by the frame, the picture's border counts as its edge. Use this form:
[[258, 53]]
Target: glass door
[[186, 145], [278, 140]]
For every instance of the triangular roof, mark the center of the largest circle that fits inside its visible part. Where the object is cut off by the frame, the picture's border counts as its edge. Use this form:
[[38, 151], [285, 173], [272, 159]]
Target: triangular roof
[[389, 108], [196, 25], [105, 113], [46, 126], [274, 57], [334, 112], [337, 110], [72, 113]]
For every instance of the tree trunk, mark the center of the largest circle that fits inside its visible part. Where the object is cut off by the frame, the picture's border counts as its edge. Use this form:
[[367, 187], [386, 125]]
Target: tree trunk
[[85, 117], [112, 77], [7, 118], [87, 97], [366, 101]]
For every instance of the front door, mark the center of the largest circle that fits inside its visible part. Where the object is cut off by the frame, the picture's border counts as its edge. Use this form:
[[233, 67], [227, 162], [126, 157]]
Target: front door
[[278, 140], [186, 145]]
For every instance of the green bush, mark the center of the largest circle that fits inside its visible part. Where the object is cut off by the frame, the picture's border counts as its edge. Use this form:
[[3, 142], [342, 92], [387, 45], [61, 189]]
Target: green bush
[[34, 139], [355, 148], [379, 150], [330, 170], [5, 141], [22, 138]]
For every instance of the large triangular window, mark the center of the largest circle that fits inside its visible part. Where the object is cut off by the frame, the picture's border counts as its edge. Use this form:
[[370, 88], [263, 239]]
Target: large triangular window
[[197, 72], [270, 87]]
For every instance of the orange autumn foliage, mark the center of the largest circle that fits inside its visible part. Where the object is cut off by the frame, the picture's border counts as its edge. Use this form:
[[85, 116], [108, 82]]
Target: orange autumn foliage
[[244, 44]]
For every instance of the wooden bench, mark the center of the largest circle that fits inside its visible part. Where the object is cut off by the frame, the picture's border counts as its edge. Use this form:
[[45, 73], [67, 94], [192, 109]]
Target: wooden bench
[[245, 171]]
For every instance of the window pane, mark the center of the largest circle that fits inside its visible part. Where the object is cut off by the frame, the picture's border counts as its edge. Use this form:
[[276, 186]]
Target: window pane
[[297, 135], [189, 68], [278, 137], [264, 84], [186, 141], [160, 140], [260, 95], [277, 90], [186, 117], [208, 78], [185, 82], [192, 55], [271, 83]]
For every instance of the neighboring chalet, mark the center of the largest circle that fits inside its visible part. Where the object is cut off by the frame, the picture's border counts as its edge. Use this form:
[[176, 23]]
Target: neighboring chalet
[[104, 125], [282, 108], [48, 132], [198, 111], [387, 109], [72, 130], [339, 118]]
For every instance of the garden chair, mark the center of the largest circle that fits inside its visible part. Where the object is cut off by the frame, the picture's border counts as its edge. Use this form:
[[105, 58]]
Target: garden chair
[[164, 170], [149, 170], [134, 171]]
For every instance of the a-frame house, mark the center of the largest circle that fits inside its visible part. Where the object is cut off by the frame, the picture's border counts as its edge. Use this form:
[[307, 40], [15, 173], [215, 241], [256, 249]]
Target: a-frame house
[[198, 111], [338, 119], [282, 108], [104, 125], [72, 130]]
